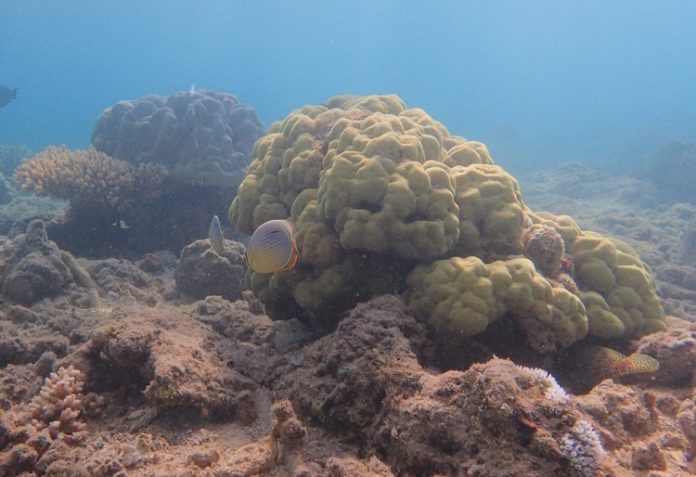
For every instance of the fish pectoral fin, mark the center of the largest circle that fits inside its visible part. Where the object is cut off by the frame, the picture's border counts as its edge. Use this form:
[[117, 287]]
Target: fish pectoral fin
[[293, 260]]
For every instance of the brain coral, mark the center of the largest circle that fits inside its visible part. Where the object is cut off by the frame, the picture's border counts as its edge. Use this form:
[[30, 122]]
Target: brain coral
[[385, 199], [201, 137]]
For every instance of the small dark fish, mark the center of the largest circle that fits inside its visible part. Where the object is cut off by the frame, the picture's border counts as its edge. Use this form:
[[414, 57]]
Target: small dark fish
[[6, 95]]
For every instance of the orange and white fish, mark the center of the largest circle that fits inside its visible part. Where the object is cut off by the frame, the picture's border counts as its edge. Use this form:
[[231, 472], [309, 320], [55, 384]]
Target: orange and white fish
[[272, 247]]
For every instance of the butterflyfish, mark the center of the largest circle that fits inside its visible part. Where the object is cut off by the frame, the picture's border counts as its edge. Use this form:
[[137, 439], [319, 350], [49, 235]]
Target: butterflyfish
[[272, 247], [215, 235]]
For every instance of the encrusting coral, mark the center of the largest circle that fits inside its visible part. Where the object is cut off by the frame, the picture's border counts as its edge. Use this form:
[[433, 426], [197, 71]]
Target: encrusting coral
[[386, 200]]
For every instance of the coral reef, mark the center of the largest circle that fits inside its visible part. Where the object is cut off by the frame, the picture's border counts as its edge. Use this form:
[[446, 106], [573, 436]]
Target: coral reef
[[201, 271], [495, 418], [675, 349], [173, 375], [139, 195], [385, 200], [200, 137], [643, 430]]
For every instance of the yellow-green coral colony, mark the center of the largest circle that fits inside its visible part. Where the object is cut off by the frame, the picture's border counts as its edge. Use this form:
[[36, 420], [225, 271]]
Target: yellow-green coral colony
[[386, 200]]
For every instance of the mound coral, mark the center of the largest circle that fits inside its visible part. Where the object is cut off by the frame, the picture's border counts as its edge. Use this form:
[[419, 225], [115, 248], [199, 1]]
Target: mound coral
[[461, 296], [615, 285], [201, 137], [386, 200]]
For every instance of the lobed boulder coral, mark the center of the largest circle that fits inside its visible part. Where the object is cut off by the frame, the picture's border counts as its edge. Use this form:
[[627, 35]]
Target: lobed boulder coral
[[461, 296], [201, 137], [386, 200], [616, 287]]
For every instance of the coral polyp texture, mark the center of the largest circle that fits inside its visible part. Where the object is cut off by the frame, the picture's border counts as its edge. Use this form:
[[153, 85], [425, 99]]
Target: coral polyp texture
[[201, 137], [386, 200]]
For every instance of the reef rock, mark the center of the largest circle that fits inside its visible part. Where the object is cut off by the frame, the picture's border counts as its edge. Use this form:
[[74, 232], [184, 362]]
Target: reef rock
[[33, 267], [496, 418], [171, 355], [675, 349], [202, 271]]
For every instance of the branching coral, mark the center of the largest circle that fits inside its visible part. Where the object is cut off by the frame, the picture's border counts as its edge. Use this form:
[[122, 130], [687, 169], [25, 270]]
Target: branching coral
[[88, 178], [59, 406]]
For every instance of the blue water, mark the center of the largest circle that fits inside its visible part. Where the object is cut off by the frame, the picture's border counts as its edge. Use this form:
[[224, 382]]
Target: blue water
[[539, 81]]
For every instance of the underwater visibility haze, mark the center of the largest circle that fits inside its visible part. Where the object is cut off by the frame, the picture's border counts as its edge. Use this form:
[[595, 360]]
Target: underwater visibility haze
[[369, 238]]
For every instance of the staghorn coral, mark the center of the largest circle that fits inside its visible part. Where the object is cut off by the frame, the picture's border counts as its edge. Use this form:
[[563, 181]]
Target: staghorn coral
[[89, 178]]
